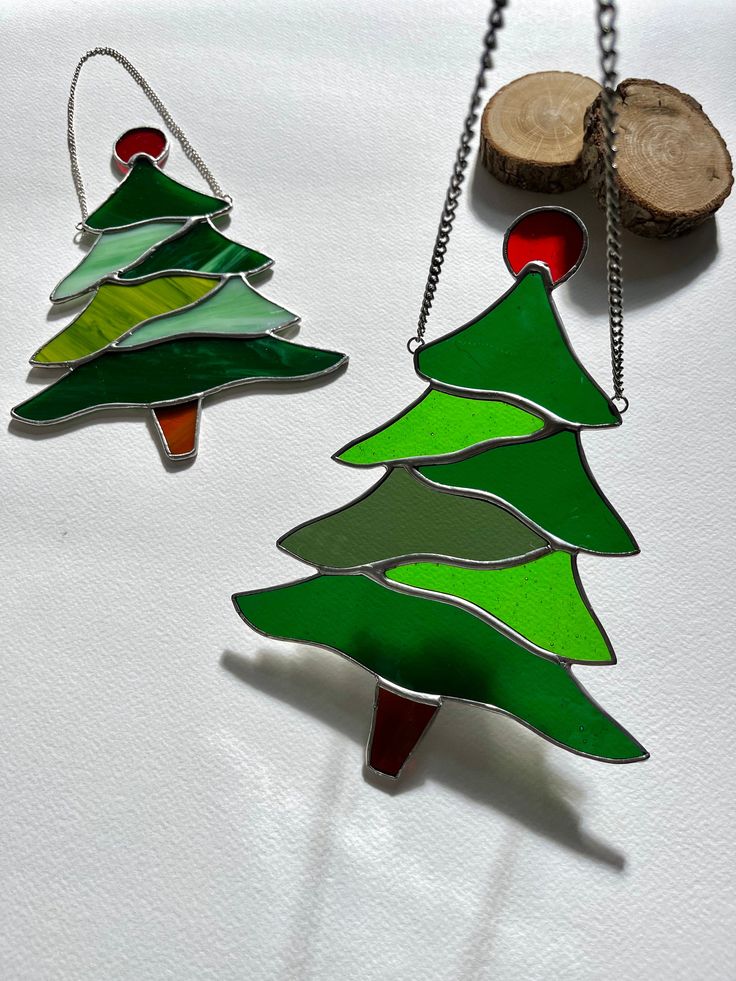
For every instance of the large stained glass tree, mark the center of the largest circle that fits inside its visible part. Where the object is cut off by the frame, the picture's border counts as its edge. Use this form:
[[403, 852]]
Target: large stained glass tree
[[456, 575], [171, 315]]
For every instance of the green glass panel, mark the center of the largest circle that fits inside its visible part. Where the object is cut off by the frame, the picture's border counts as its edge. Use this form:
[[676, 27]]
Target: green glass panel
[[437, 424], [175, 369], [547, 481], [541, 600], [114, 309], [402, 517], [518, 347], [234, 308], [200, 249], [146, 194], [434, 648], [113, 251]]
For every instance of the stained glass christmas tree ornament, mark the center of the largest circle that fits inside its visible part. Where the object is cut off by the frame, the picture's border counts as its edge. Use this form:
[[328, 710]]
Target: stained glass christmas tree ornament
[[456, 575], [171, 315]]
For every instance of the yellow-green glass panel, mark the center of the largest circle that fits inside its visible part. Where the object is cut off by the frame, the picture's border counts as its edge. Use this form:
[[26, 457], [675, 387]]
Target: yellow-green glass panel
[[439, 424], [541, 601], [234, 308], [115, 309]]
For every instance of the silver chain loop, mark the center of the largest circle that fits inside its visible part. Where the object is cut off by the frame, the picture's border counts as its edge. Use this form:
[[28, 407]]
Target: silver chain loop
[[449, 211], [176, 131], [607, 39]]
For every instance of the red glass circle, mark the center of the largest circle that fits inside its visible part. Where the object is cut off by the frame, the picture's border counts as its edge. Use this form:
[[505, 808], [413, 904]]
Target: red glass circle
[[142, 139], [549, 235]]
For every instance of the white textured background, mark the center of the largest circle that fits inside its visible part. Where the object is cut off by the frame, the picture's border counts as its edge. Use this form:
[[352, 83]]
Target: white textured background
[[183, 799]]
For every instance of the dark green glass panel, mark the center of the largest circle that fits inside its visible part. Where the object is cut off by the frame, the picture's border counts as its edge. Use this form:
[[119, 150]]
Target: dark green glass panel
[[402, 517], [518, 347], [173, 370], [542, 601], [546, 480], [434, 648], [438, 424], [200, 249], [147, 194]]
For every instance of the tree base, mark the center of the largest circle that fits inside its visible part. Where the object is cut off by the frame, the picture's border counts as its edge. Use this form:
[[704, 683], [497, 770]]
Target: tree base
[[178, 428], [398, 725]]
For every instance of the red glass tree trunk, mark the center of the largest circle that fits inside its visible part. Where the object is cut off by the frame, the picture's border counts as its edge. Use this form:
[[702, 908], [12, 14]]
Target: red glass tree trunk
[[178, 427], [398, 725]]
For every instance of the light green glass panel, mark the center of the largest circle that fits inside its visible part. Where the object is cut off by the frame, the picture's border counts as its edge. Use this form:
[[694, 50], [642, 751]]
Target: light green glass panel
[[114, 309], [435, 648], [234, 308], [112, 252], [438, 424], [541, 600]]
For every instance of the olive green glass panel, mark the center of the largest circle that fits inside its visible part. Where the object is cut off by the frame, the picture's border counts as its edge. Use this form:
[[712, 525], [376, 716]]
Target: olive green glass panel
[[541, 600], [147, 194], [111, 252], [176, 369], [435, 648], [547, 482], [518, 347], [401, 517], [200, 248], [114, 309], [234, 308], [438, 424]]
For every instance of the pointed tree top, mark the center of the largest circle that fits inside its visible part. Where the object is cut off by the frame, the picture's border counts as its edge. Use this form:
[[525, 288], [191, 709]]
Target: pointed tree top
[[147, 194], [517, 349]]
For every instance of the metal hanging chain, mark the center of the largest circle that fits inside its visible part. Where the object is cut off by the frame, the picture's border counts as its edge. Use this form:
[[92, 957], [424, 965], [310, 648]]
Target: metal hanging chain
[[176, 131], [495, 23], [607, 39], [606, 16]]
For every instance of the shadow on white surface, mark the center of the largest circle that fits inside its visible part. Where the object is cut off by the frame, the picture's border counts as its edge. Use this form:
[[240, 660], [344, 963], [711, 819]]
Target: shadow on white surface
[[114, 416], [491, 760], [653, 268]]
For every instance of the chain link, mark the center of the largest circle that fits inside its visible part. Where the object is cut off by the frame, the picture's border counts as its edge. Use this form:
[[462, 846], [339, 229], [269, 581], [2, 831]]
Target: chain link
[[176, 131], [607, 40], [449, 211]]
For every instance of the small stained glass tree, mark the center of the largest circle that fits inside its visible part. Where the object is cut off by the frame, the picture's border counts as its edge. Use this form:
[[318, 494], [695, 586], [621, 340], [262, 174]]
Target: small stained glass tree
[[456, 575], [171, 316]]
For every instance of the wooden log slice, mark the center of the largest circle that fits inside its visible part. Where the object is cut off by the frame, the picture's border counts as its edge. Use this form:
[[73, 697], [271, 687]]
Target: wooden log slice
[[674, 169], [532, 131]]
